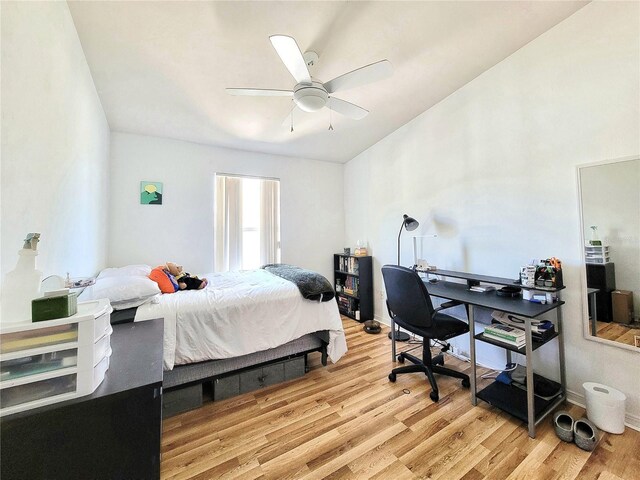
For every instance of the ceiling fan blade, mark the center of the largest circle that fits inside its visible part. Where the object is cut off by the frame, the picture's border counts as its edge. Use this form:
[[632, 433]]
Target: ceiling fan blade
[[291, 56], [347, 109], [259, 92], [361, 76]]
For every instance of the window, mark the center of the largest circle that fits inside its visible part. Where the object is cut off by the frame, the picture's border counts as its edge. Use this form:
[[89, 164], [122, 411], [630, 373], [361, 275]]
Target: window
[[247, 218]]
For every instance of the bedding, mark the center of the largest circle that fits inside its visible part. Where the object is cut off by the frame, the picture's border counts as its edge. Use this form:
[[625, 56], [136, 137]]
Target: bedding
[[123, 291], [312, 285], [239, 313]]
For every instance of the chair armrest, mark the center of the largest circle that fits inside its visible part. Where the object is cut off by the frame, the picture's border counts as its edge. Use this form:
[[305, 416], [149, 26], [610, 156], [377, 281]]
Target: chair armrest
[[446, 305]]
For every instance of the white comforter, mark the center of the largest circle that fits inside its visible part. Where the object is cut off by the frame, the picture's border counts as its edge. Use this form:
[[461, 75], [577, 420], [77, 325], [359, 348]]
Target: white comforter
[[240, 313]]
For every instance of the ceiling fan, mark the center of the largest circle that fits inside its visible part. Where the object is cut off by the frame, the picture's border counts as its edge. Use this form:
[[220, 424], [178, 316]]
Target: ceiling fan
[[311, 95]]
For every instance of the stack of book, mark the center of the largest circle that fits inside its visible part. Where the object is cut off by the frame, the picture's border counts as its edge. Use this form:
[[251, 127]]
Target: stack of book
[[540, 330], [505, 334]]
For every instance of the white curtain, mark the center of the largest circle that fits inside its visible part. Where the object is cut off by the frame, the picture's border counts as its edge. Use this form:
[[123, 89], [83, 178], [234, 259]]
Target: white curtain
[[269, 221], [228, 228]]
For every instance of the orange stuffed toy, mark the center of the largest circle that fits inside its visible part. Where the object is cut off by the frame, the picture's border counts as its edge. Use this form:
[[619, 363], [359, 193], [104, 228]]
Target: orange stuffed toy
[[170, 278], [185, 281]]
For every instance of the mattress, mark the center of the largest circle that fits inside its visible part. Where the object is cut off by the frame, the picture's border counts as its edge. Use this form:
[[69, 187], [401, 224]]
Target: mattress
[[237, 314]]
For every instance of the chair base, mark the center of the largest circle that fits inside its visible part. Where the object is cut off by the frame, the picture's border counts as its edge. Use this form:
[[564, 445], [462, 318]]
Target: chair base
[[400, 336], [429, 365]]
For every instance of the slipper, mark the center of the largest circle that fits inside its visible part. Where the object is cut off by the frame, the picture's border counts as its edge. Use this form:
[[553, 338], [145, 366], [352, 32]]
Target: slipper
[[585, 434], [564, 425]]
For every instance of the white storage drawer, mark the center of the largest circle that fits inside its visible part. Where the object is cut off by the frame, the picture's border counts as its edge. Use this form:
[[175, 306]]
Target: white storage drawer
[[33, 392], [38, 337], [28, 365], [54, 360], [596, 254]]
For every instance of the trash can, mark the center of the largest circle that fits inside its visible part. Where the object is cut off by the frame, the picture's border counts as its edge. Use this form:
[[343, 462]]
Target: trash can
[[605, 407]]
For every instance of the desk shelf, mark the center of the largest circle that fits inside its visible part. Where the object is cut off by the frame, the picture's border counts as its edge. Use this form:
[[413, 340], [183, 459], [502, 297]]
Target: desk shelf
[[534, 344], [513, 400]]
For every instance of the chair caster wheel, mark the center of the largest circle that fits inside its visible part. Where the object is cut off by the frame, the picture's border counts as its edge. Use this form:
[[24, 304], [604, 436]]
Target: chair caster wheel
[[400, 359], [434, 396], [392, 377], [466, 383], [439, 361]]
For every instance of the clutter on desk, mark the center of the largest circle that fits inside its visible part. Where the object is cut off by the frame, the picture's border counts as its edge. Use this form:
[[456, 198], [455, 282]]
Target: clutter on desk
[[482, 288], [544, 273], [541, 330], [509, 292], [79, 282]]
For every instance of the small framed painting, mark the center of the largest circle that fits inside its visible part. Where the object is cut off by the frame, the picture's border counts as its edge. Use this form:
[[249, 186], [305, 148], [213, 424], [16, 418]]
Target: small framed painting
[[151, 193]]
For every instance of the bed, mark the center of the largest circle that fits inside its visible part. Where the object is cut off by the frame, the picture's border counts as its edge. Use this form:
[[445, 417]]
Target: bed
[[240, 320]]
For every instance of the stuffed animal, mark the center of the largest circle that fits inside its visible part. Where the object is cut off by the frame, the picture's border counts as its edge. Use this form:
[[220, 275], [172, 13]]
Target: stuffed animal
[[185, 280], [170, 278]]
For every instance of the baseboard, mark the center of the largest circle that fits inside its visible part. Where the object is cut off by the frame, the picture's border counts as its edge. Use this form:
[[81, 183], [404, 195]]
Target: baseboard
[[630, 420]]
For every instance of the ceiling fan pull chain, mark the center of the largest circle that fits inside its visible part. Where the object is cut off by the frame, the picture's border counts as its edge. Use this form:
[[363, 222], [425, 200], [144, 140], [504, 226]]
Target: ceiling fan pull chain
[[330, 125], [292, 119]]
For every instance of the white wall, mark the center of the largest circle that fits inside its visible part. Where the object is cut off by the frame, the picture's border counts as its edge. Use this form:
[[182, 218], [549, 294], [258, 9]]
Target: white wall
[[55, 142], [492, 170], [181, 229]]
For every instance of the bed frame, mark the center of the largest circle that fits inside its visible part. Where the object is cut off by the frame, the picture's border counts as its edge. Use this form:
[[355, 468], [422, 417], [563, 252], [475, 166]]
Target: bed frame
[[183, 386], [212, 369]]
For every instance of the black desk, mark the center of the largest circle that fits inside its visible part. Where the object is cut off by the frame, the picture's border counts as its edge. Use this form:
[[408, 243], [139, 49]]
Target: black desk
[[535, 411], [112, 433]]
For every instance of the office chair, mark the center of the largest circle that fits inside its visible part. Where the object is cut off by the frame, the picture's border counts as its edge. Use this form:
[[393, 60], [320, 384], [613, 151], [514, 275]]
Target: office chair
[[410, 306]]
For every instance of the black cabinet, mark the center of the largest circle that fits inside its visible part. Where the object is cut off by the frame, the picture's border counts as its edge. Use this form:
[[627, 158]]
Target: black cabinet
[[602, 277], [110, 434], [353, 281]]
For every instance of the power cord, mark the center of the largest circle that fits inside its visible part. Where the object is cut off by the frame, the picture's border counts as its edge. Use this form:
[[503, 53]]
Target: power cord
[[510, 367]]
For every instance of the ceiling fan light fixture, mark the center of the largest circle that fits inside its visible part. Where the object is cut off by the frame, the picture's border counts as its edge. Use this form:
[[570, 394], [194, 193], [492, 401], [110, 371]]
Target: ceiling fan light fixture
[[310, 98]]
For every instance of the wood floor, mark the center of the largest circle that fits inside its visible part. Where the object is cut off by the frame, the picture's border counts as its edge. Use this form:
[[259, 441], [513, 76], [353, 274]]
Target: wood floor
[[348, 421], [617, 332]]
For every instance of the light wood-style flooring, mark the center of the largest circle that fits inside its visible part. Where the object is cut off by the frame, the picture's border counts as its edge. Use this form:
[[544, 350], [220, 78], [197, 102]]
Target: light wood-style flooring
[[348, 421], [617, 332]]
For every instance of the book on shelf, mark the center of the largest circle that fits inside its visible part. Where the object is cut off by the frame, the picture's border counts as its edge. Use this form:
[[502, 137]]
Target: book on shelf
[[514, 343], [505, 331]]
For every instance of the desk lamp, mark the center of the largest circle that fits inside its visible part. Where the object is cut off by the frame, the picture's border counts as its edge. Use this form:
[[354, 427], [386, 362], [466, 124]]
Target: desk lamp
[[409, 224]]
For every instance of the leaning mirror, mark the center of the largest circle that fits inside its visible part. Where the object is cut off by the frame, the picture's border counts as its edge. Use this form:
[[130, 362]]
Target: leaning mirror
[[610, 211]]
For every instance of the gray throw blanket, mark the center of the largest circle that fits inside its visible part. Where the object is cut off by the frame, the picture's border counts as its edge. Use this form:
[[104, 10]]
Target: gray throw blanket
[[312, 285]]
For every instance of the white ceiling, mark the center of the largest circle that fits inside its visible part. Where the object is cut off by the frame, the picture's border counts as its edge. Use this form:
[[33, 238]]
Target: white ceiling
[[161, 68]]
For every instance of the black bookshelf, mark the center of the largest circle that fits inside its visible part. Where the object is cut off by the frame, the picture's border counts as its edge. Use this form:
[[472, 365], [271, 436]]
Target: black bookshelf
[[353, 275]]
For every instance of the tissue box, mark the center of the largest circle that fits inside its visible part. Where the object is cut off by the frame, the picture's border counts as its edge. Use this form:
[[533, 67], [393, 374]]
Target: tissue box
[[48, 308]]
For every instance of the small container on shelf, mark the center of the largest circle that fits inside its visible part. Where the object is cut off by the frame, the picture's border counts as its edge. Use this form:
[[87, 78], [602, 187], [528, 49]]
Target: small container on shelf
[[597, 254]]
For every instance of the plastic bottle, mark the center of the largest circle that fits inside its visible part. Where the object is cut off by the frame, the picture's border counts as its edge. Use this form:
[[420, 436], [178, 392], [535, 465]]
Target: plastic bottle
[[20, 286]]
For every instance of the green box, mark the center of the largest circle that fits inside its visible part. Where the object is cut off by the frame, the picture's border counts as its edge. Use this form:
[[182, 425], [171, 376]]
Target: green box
[[48, 308]]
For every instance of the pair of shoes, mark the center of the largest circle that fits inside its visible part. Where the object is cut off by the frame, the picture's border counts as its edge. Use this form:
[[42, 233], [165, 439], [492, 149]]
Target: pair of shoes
[[582, 431]]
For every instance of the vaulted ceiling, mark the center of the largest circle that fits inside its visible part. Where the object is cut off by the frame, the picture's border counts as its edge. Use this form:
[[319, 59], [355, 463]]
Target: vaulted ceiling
[[161, 68]]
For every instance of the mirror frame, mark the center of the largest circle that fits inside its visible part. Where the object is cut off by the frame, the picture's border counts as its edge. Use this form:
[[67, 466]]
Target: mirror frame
[[583, 265]]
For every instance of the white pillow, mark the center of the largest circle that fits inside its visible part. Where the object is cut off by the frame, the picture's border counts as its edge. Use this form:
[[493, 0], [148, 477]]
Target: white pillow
[[121, 290], [127, 271]]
